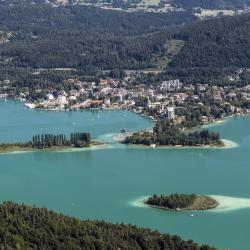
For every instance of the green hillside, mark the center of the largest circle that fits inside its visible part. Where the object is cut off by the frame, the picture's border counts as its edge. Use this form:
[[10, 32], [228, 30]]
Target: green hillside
[[219, 43], [24, 227]]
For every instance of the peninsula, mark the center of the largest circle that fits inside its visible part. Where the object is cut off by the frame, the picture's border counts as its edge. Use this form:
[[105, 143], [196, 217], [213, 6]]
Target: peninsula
[[166, 133], [50, 142], [180, 202]]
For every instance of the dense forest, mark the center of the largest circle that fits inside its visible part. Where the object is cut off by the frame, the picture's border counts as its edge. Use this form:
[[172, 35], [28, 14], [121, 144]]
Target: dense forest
[[216, 43], [182, 202], [41, 36], [44, 141], [84, 38], [24, 227], [77, 140], [167, 134], [172, 201]]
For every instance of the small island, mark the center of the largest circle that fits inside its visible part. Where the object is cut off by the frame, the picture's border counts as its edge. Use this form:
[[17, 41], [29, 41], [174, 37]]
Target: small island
[[178, 202], [167, 133], [50, 142]]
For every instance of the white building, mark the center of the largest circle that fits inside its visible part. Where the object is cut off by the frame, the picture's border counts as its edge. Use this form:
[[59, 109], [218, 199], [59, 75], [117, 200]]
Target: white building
[[3, 95], [107, 102], [171, 84], [171, 113], [50, 97], [61, 99]]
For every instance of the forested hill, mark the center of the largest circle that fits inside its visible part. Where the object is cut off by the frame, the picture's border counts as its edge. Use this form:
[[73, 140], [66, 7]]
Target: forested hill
[[91, 39], [87, 38], [23, 227], [218, 43], [43, 17]]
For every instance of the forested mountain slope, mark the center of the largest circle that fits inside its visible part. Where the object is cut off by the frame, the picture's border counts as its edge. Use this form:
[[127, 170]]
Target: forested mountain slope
[[23, 227], [223, 42], [90, 39], [42, 36]]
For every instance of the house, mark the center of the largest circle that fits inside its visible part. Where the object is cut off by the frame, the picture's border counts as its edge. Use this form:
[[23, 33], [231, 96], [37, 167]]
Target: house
[[3, 95], [62, 100], [217, 98], [171, 84]]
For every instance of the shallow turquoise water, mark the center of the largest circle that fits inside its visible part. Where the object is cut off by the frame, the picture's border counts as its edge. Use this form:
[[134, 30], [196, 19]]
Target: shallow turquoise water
[[102, 184]]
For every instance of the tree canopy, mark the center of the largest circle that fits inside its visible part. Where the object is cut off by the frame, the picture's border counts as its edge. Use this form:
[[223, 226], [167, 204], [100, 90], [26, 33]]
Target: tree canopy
[[25, 227]]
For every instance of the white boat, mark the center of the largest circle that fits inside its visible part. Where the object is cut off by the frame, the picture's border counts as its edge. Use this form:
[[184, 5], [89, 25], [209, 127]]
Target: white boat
[[30, 105], [191, 215]]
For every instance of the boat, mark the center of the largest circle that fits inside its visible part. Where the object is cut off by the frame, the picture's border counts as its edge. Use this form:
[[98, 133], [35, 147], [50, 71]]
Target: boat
[[30, 105], [191, 215]]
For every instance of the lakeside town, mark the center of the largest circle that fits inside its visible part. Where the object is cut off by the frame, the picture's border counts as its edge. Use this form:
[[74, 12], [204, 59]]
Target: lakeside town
[[170, 99]]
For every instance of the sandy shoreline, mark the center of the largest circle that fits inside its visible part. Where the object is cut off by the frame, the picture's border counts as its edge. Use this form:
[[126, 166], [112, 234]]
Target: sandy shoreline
[[225, 204], [56, 150], [227, 145], [228, 203]]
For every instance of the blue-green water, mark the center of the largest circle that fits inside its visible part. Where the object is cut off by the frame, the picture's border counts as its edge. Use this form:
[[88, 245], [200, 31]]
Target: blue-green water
[[102, 184]]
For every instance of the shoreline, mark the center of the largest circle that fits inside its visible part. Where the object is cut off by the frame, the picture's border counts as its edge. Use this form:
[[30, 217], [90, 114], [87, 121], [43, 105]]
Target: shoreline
[[229, 203], [18, 149], [227, 144], [184, 209], [201, 202], [225, 204], [133, 110]]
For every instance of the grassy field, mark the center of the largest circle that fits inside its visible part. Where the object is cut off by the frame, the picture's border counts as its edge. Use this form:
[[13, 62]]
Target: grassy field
[[173, 47]]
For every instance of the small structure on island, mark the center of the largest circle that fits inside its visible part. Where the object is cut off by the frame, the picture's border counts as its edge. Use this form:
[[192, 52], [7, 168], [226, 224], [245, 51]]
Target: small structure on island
[[171, 113]]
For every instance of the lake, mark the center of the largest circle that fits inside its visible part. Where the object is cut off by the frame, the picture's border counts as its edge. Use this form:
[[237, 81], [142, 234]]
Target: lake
[[106, 183]]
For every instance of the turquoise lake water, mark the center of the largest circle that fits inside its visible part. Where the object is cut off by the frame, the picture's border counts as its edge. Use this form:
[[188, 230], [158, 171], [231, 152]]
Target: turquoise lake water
[[104, 183]]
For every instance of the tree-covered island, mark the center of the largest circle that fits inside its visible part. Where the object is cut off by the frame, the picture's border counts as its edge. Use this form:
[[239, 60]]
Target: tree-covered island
[[50, 142], [182, 202], [166, 133]]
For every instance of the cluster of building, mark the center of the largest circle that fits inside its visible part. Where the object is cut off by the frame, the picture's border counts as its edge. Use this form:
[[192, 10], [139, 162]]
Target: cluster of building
[[162, 98], [113, 94]]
